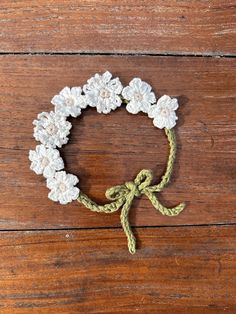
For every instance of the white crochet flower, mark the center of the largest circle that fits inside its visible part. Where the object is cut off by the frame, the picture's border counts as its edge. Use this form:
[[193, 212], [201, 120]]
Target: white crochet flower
[[62, 187], [102, 92], [51, 129], [163, 112], [139, 95], [45, 161], [69, 102]]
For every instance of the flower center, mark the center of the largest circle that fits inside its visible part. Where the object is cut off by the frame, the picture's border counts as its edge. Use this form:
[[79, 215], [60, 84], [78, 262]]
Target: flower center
[[44, 162], [51, 129], [62, 187], [104, 93], [165, 112], [138, 96], [69, 102]]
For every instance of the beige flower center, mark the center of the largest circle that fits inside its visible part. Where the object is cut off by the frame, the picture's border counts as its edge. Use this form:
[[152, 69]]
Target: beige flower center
[[165, 112], [69, 102], [44, 162], [62, 187], [104, 93], [51, 129], [138, 96]]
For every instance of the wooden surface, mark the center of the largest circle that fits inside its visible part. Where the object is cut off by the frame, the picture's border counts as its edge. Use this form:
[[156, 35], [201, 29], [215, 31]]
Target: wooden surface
[[109, 150], [177, 270], [66, 259], [139, 26]]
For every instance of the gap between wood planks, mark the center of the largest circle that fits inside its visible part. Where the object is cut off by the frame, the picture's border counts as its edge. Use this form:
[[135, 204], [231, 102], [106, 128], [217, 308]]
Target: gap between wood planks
[[86, 53], [119, 227]]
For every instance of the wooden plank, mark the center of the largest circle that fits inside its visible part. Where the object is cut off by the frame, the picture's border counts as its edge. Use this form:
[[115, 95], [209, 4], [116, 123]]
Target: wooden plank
[[154, 26], [176, 270], [109, 150]]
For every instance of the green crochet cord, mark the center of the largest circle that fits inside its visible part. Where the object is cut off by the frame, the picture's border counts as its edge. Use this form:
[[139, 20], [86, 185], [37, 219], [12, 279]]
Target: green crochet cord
[[122, 195]]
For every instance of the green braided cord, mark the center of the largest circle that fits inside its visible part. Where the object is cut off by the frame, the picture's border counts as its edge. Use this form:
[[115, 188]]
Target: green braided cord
[[122, 195], [124, 218], [107, 208], [170, 163]]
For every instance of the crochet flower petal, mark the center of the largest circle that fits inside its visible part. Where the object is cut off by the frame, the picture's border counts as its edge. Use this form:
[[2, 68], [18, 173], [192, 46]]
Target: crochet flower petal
[[69, 102], [45, 161], [63, 188], [139, 95], [102, 92], [164, 112], [51, 129]]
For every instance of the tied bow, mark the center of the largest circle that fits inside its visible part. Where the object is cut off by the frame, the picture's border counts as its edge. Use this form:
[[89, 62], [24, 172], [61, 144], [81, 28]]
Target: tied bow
[[122, 197]]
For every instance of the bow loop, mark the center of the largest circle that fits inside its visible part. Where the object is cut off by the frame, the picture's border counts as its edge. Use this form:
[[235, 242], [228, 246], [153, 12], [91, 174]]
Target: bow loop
[[143, 179], [116, 192]]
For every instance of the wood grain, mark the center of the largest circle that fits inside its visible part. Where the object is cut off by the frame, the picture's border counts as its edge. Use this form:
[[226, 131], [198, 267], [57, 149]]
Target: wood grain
[[108, 150], [177, 270], [137, 26], [184, 266]]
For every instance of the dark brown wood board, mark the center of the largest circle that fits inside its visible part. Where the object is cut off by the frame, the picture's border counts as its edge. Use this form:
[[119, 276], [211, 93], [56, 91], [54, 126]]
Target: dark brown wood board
[[134, 26], [177, 270], [106, 150]]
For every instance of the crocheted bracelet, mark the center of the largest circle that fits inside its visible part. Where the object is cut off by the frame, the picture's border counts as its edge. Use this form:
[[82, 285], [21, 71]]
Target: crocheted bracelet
[[106, 94]]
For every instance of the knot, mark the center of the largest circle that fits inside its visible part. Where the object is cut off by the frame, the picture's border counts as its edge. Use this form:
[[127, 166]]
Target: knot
[[135, 188]]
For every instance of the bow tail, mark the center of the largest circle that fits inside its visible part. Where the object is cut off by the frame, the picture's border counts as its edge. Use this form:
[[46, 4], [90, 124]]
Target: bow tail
[[124, 218], [164, 210]]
